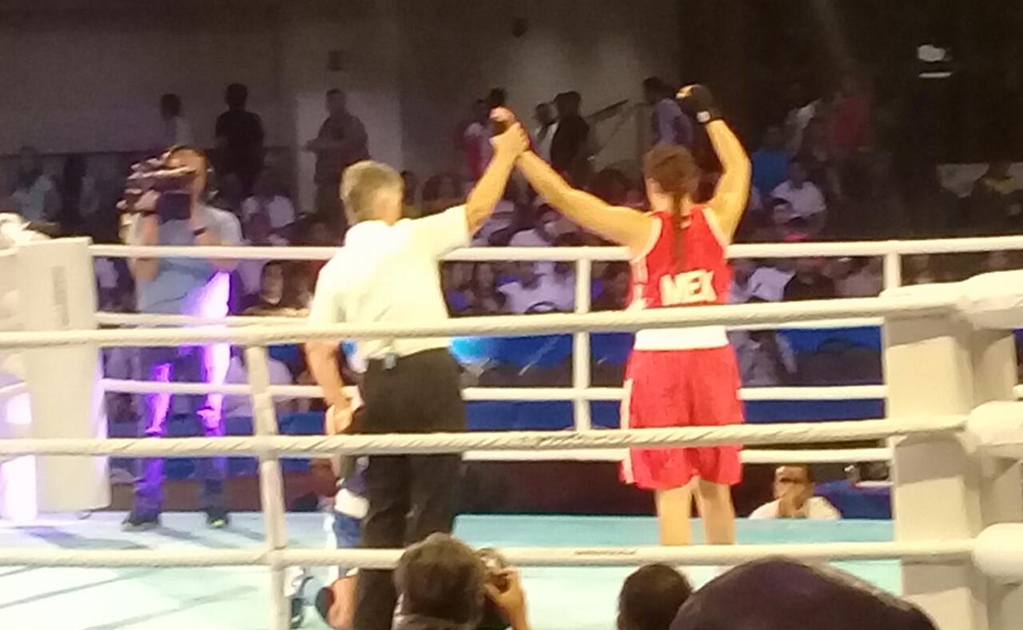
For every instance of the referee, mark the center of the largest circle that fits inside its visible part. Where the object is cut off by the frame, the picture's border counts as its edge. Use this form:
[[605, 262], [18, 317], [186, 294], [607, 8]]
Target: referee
[[388, 273]]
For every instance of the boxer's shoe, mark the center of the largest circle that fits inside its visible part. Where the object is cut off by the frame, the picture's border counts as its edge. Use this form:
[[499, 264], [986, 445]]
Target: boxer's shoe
[[297, 599]]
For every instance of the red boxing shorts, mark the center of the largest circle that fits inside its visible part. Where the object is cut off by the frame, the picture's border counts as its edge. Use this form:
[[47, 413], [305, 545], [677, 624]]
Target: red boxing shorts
[[681, 388]]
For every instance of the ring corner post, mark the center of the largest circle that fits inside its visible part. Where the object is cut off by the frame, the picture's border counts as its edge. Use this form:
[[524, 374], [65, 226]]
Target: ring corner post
[[940, 365], [56, 291]]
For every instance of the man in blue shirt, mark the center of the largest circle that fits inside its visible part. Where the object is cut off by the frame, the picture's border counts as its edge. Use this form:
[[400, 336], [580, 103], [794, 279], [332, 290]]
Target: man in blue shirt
[[183, 286]]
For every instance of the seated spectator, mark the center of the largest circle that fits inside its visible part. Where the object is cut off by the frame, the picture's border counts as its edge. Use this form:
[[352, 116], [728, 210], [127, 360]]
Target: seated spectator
[[411, 208], [757, 282], [793, 497], [781, 594], [809, 282], [442, 585], [803, 196], [614, 293], [257, 233], [298, 292], [765, 358], [543, 232], [265, 200], [651, 597], [238, 374], [35, 195], [484, 296], [789, 226], [269, 300], [921, 269], [817, 156], [456, 280], [996, 202], [863, 278], [770, 162], [441, 192], [537, 290]]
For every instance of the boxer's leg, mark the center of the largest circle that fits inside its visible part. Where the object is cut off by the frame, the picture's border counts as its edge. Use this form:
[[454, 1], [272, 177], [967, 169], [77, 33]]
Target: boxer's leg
[[157, 366]]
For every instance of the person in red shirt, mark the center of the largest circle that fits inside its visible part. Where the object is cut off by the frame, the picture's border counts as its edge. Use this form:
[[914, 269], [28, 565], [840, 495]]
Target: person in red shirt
[[684, 376]]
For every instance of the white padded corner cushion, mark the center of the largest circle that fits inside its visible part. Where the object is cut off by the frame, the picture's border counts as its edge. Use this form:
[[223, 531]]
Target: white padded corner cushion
[[993, 300]]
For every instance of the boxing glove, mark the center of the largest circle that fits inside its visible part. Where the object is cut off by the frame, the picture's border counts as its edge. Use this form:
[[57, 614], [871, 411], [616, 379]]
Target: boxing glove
[[697, 101]]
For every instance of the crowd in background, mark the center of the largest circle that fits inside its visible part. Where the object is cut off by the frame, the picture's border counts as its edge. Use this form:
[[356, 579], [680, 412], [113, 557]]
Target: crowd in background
[[822, 171]]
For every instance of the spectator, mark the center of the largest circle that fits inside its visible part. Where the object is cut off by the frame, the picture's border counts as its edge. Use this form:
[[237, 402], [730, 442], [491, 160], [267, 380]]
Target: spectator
[[496, 97], [770, 162], [412, 208], [443, 585], [757, 283], [35, 196], [570, 146], [237, 374], [850, 121], [781, 594], [175, 129], [809, 283], [240, 138], [484, 297], [817, 157], [547, 126], [670, 125], [921, 269], [789, 226], [651, 597], [765, 358], [535, 291], [270, 298], [804, 197], [612, 186], [614, 294], [864, 278], [542, 233], [996, 206], [476, 140], [442, 192], [266, 201], [341, 142], [257, 234], [793, 497], [229, 194], [804, 110]]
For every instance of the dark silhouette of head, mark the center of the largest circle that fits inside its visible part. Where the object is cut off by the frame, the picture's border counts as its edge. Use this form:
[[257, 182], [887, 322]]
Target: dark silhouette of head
[[236, 96], [651, 597]]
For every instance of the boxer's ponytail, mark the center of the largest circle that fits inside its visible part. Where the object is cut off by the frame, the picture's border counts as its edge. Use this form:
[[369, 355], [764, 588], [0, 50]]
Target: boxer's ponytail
[[675, 171]]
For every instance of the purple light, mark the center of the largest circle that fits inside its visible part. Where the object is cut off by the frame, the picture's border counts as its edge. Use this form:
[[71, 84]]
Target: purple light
[[217, 358]]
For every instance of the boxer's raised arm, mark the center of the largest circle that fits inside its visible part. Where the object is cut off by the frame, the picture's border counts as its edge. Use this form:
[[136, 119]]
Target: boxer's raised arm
[[490, 188], [624, 226]]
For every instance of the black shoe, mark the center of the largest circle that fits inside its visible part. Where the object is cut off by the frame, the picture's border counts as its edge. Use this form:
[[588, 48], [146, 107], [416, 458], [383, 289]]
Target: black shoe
[[217, 518], [139, 522], [298, 602]]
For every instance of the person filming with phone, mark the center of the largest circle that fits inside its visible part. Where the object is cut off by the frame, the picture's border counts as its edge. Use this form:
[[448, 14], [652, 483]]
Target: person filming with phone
[[166, 200]]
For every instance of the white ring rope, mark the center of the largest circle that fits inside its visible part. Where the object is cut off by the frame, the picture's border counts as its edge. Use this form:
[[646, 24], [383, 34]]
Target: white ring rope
[[749, 456], [505, 325], [570, 254], [509, 394], [440, 443], [139, 320], [919, 552]]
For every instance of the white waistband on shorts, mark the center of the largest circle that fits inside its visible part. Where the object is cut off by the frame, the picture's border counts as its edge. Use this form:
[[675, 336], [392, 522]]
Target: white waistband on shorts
[[699, 338]]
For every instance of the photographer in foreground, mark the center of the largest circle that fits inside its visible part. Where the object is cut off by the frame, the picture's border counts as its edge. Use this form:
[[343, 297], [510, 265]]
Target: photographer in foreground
[[445, 585]]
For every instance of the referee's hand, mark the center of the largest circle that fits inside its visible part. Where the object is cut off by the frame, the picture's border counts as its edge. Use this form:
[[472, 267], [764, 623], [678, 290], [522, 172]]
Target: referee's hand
[[338, 419]]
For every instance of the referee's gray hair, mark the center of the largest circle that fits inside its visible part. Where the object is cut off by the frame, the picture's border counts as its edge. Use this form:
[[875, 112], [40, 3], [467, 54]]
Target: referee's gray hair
[[360, 184]]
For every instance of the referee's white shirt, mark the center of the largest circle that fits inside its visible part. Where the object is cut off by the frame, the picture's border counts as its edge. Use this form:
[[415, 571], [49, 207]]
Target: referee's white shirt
[[390, 274]]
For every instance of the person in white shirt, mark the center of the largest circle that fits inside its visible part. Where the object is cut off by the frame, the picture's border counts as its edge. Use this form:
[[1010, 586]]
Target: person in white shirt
[[539, 290], [544, 133], [388, 273], [175, 130], [805, 199], [265, 200], [793, 498]]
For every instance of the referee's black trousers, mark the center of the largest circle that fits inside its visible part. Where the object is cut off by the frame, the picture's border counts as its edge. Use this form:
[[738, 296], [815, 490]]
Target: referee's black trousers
[[410, 496]]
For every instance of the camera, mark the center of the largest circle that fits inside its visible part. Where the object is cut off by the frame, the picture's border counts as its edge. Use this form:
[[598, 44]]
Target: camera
[[495, 566], [167, 192]]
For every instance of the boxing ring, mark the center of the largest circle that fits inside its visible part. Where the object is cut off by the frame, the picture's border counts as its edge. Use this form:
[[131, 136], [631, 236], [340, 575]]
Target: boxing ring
[[954, 428]]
